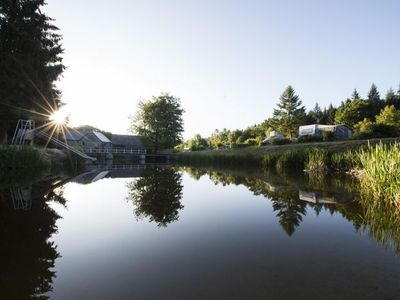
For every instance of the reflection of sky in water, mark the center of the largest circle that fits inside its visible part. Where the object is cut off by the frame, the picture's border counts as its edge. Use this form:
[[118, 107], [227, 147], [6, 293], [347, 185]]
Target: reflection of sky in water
[[227, 243]]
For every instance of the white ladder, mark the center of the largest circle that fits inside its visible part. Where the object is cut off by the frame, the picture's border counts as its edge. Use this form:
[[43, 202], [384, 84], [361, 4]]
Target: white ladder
[[23, 132]]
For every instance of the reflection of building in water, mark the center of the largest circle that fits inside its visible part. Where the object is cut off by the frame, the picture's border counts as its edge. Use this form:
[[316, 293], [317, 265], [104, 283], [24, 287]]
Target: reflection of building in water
[[324, 198], [109, 171], [21, 197], [315, 197], [271, 187]]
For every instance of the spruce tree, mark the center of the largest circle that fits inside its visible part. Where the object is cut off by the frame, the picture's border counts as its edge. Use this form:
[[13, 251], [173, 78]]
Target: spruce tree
[[392, 99], [329, 114], [355, 95], [316, 115], [290, 113], [373, 94], [30, 64]]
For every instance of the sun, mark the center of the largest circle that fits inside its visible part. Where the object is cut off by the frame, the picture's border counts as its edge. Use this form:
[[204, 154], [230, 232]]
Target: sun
[[59, 117]]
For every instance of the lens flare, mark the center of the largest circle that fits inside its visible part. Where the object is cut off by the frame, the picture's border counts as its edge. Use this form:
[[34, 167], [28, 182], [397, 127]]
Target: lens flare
[[59, 117]]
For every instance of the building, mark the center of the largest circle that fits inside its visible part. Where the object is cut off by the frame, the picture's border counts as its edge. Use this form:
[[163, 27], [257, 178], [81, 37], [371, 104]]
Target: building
[[97, 140], [273, 135], [340, 132], [128, 142], [88, 140]]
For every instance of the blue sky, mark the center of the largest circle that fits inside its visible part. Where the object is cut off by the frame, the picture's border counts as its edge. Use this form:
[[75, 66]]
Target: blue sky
[[228, 61]]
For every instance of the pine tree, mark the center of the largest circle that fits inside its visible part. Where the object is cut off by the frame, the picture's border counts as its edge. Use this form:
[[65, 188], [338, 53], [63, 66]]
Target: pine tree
[[329, 114], [392, 99], [290, 113], [316, 115], [30, 63], [373, 94], [355, 95]]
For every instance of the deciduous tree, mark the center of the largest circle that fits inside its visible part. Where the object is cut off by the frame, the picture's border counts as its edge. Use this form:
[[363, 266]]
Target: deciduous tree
[[389, 116], [159, 120]]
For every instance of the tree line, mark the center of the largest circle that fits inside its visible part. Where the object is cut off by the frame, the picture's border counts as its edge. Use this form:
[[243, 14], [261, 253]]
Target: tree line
[[30, 64], [373, 116]]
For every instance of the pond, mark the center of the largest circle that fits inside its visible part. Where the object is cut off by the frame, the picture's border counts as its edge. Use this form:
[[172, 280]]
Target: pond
[[135, 232]]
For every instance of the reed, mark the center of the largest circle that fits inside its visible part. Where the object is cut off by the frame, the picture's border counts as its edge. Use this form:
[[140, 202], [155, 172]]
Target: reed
[[317, 160], [217, 158], [380, 180], [344, 161], [291, 159]]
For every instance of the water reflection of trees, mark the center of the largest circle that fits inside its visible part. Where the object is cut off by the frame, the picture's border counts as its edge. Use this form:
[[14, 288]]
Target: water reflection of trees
[[26, 254], [336, 194], [157, 195]]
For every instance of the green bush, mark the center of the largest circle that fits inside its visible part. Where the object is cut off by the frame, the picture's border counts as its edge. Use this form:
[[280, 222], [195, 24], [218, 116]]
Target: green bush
[[276, 141], [328, 136], [252, 142], [367, 129], [20, 162], [309, 139]]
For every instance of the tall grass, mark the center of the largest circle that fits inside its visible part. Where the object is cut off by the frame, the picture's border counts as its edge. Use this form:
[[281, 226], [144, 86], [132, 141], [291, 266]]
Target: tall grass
[[346, 160], [317, 160], [381, 222], [313, 160], [290, 159], [218, 158], [380, 178]]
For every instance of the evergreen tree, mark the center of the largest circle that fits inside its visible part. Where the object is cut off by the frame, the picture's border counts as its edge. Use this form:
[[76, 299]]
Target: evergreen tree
[[392, 99], [390, 95], [355, 95], [329, 114], [290, 113], [316, 115], [30, 63], [373, 94]]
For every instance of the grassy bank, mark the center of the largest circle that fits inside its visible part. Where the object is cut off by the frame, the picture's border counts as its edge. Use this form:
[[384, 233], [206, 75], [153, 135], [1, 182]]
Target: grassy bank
[[256, 155], [377, 162], [24, 163], [227, 157]]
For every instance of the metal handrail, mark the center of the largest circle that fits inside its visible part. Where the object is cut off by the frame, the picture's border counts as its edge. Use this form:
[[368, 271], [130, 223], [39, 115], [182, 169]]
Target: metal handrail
[[115, 150], [64, 145]]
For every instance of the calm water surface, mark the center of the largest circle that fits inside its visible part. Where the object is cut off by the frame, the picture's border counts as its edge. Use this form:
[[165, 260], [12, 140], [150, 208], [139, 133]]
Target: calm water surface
[[193, 234]]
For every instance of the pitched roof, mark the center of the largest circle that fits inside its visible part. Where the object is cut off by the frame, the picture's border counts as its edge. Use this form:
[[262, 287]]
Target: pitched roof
[[73, 135], [127, 141], [101, 137]]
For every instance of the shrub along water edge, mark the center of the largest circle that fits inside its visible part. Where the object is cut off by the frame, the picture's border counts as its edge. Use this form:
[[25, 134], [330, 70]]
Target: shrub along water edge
[[20, 162]]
